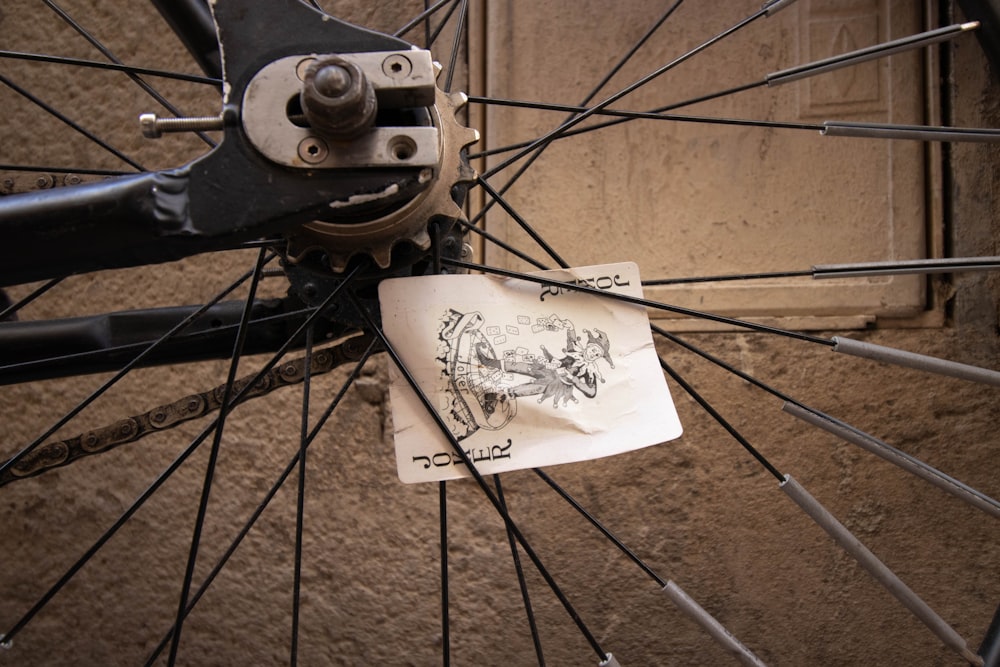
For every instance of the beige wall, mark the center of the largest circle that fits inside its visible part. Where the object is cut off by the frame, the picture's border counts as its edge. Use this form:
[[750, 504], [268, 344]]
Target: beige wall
[[698, 510]]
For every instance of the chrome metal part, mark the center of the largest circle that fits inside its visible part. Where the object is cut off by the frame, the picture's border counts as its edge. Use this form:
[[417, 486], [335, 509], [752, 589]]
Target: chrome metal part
[[279, 119], [711, 625], [153, 126], [877, 569], [377, 237], [337, 99], [920, 362]]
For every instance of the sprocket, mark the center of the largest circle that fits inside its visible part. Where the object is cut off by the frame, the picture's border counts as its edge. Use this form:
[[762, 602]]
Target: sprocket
[[338, 241]]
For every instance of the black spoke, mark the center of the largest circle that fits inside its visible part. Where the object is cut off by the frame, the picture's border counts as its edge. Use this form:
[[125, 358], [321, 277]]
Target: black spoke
[[106, 52], [456, 44], [611, 537], [849, 433], [110, 66], [174, 466], [522, 223], [590, 111], [680, 310], [279, 482], [445, 606], [300, 505], [522, 583], [644, 115], [433, 35], [707, 407], [853, 270], [144, 351], [502, 244], [24, 301], [422, 17], [586, 100], [76, 127], [480, 481], [214, 456]]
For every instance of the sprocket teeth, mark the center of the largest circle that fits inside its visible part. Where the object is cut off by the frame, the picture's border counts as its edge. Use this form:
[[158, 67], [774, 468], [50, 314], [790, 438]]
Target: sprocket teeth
[[377, 238]]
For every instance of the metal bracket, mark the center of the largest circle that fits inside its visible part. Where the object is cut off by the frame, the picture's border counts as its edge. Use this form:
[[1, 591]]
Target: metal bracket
[[401, 79]]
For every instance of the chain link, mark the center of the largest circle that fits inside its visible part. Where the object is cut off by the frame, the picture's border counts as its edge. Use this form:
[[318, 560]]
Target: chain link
[[130, 429]]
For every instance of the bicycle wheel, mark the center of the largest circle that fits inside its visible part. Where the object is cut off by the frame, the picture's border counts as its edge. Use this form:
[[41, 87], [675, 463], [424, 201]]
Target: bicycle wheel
[[701, 511]]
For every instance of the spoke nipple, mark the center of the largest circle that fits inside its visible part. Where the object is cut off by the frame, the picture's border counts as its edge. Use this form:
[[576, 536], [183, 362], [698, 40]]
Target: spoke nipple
[[5, 643]]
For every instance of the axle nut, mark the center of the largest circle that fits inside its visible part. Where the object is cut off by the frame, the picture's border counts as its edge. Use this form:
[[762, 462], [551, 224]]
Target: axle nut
[[337, 99]]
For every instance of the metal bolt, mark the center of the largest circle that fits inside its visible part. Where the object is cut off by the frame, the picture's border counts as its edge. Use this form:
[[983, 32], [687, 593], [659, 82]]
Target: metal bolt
[[332, 80], [313, 150], [337, 99], [154, 127], [397, 66]]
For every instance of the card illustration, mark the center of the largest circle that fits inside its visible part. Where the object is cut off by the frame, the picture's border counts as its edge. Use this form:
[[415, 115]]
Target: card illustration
[[522, 374], [484, 386]]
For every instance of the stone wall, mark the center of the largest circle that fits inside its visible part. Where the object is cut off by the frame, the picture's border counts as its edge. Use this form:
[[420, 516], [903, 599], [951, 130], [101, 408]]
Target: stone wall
[[699, 511]]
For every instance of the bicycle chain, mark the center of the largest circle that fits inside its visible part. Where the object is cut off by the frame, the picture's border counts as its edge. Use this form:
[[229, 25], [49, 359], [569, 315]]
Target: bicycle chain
[[130, 429]]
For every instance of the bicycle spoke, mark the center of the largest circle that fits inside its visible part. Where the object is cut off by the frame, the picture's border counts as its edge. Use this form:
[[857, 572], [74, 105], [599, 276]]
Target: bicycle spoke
[[536, 640], [652, 115], [146, 350], [590, 111], [707, 407], [522, 223], [433, 36], [24, 301], [841, 535], [174, 466], [853, 270], [422, 17], [445, 607], [456, 43], [657, 24], [830, 128], [72, 124], [849, 433], [214, 456], [138, 80], [480, 481], [301, 500], [266, 500], [682, 600], [745, 324], [110, 66], [502, 244], [877, 569]]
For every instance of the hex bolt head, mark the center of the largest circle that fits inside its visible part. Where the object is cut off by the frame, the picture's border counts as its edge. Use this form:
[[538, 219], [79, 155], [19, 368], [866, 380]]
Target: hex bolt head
[[397, 66], [337, 99], [313, 150]]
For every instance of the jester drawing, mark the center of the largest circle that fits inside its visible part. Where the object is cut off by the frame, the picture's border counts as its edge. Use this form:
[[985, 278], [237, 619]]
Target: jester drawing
[[483, 387]]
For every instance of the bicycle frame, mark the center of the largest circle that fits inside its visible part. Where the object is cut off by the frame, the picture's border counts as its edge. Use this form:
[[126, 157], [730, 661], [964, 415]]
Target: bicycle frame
[[219, 201]]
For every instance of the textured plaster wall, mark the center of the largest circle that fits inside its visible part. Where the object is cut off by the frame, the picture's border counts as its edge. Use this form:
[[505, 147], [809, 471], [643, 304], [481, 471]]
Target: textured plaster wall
[[699, 510]]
